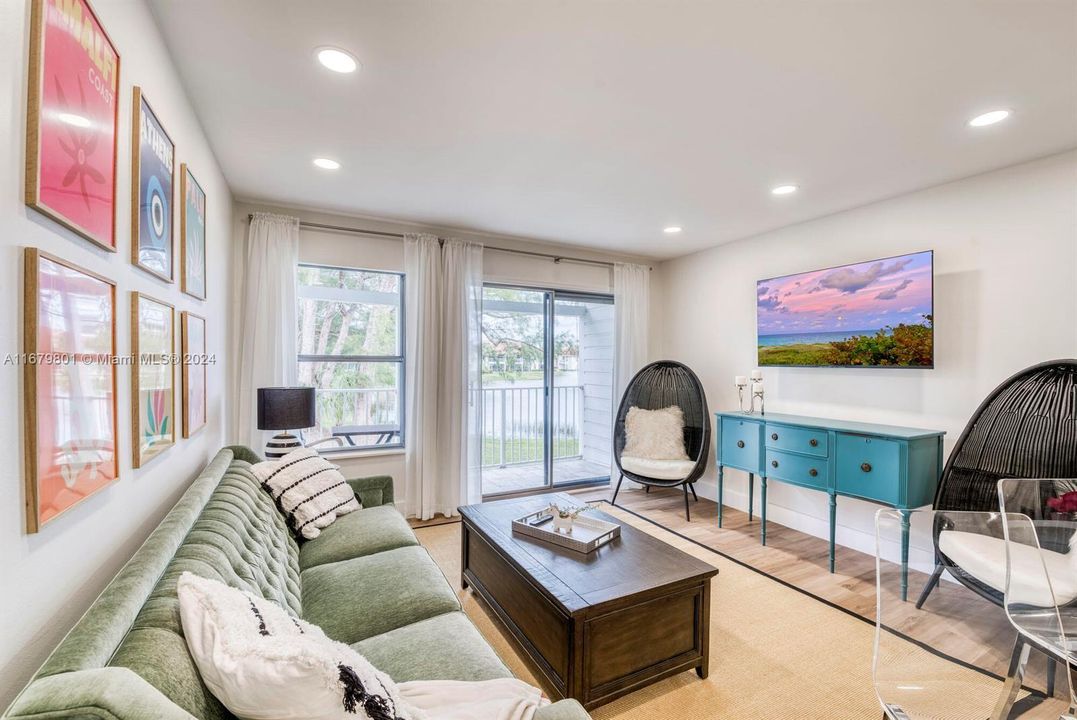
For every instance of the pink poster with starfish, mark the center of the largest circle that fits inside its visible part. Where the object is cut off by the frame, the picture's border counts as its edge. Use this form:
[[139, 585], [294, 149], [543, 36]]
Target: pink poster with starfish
[[73, 120]]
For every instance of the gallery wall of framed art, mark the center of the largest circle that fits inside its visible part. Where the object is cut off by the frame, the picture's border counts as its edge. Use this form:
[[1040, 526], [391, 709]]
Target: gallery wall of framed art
[[74, 502]]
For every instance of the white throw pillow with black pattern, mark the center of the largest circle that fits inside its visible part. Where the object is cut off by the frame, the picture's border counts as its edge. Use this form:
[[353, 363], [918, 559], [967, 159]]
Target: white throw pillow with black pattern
[[264, 664], [308, 489]]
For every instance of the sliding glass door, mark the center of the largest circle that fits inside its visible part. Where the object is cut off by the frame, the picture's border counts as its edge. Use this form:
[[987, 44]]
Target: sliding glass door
[[546, 399]]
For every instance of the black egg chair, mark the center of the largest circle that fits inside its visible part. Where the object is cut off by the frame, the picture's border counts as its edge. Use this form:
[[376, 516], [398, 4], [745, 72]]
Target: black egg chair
[[658, 386], [1026, 428]]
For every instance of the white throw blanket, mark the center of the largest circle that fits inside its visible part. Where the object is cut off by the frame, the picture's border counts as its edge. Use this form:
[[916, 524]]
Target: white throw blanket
[[501, 699]]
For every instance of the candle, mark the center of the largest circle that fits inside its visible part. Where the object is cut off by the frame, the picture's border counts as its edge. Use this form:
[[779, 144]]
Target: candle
[[757, 387], [757, 374], [740, 380]]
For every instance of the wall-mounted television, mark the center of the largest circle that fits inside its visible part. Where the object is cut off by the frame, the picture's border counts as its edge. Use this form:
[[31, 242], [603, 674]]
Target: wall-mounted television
[[877, 313]]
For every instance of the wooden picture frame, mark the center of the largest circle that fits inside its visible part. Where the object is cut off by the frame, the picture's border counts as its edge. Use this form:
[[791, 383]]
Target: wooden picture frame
[[195, 375], [153, 378], [72, 121], [153, 182], [71, 441], [193, 275]]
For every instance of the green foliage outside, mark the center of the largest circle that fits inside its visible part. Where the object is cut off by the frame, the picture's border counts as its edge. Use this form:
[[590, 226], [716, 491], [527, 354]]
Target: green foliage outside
[[338, 326], [901, 346], [526, 449]]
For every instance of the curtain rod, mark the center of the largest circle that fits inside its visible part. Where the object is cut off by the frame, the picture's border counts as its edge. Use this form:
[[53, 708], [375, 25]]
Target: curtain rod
[[400, 236]]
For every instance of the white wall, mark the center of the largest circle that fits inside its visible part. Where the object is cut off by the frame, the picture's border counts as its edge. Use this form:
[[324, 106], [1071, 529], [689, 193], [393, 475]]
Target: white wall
[[1005, 297], [373, 253], [50, 578]]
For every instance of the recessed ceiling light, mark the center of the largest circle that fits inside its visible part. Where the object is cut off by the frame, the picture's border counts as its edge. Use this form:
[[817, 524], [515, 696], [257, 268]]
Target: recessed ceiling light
[[73, 119], [336, 59], [989, 118], [326, 164], [784, 189], [672, 230]]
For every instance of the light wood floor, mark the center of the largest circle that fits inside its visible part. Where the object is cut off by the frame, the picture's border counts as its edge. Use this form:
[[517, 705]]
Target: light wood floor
[[953, 621]]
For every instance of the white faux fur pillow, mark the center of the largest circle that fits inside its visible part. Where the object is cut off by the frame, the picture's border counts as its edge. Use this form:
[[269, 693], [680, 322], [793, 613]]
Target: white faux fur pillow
[[264, 664], [308, 489], [655, 434]]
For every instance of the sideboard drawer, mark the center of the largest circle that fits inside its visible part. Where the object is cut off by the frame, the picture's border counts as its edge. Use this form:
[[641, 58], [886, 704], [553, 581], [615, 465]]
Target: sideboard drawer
[[803, 440], [798, 469], [869, 467], [740, 444]]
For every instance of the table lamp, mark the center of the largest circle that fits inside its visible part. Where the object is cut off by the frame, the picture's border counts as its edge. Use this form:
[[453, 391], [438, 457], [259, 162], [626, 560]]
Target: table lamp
[[285, 408]]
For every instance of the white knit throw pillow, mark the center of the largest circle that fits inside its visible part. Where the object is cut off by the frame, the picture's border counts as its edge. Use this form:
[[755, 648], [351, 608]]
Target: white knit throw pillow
[[264, 664], [308, 489], [655, 434]]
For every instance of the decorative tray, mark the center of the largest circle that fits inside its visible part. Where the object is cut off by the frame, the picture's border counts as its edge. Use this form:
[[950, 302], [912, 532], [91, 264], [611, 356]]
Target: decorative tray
[[587, 533]]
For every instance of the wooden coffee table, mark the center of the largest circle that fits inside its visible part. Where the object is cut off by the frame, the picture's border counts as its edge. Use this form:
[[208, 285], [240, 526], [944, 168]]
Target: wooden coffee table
[[597, 625]]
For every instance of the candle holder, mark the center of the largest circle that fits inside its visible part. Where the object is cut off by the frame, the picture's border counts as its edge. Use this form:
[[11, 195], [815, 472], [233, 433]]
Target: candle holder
[[741, 384], [757, 392]]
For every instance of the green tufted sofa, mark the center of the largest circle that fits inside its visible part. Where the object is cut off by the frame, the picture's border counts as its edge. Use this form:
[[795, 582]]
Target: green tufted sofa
[[365, 580]]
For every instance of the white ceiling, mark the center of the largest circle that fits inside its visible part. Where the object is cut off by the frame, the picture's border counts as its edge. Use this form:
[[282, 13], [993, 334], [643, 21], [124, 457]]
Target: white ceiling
[[598, 123]]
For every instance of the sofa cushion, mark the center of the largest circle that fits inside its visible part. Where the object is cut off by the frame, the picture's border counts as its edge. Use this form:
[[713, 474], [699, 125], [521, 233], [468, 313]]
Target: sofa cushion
[[368, 531], [355, 599], [444, 647]]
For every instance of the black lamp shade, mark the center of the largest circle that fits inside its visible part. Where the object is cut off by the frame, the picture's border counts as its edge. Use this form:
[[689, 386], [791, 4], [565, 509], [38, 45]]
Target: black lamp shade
[[286, 408]]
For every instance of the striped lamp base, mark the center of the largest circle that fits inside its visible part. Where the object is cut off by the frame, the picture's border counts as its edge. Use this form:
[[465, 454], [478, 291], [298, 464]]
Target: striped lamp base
[[282, 444]]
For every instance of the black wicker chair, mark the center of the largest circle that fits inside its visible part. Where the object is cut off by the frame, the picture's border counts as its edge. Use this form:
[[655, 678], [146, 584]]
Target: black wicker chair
[[1026, 428], [657, 386]]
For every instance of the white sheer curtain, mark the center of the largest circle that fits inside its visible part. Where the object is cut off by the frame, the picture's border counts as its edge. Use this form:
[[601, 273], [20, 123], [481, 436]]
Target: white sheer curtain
[[632, 306], [460, 396], [443, 374], [267, 351], [422, 307]]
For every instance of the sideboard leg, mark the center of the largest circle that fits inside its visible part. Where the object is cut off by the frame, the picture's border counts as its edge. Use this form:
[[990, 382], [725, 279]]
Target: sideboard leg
[[751, 492], [833, 525], [904, 555], [763, 508], [721, 475]]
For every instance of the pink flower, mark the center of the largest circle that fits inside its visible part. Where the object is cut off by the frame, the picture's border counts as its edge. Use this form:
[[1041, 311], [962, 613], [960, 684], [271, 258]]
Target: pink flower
[[1066, 503]]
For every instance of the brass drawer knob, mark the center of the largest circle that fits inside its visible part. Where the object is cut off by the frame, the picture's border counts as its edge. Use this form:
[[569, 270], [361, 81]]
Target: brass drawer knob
[[813, 442], [813, 472], [774, 436], [774, 463], [740, 443], [866, 467]]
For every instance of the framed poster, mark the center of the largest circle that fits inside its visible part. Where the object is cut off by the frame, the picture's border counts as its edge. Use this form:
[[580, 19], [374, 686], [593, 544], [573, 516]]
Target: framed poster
[[193, 351], [72, 119], [153, 156], [69, 385], [192, 235], [153, 378]]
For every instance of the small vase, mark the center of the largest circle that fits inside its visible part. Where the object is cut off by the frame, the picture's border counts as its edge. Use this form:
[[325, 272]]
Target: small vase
[[562, 524]]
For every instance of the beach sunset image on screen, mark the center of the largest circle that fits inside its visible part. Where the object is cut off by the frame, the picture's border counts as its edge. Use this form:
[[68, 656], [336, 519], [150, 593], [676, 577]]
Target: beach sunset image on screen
[[871, 314]]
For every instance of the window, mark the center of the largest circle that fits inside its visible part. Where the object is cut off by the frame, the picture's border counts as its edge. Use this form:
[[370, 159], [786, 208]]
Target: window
[[351, 348]]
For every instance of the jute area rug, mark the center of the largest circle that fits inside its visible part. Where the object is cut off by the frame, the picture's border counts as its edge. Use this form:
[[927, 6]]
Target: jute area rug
[[775, 652]]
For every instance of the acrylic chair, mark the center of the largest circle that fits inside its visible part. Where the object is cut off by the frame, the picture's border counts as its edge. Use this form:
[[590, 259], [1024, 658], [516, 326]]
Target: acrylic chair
[[1040, 539], [924, 662]]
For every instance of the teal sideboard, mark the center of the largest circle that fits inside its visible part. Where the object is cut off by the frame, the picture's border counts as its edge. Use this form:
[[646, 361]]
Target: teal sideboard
[[894, 466]]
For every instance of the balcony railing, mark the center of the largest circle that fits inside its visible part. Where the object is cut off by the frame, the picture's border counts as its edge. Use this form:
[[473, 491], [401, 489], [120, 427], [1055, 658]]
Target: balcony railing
[[513, 419]]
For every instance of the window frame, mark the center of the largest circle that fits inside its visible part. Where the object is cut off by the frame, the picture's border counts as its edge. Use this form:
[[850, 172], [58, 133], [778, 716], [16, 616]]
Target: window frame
[[400, 359]]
